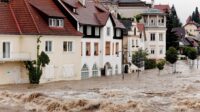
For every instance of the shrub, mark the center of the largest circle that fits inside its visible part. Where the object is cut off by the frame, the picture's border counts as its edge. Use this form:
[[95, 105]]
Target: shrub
[[150, 63], [160, 65]]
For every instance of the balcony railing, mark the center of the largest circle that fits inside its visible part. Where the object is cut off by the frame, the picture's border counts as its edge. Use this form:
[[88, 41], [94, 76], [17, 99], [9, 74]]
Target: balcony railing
[[16, 57]]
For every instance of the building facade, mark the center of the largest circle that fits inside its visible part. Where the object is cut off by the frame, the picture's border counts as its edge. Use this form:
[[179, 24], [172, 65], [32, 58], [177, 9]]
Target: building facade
[[155, 28], [102, 37], [22, 22]]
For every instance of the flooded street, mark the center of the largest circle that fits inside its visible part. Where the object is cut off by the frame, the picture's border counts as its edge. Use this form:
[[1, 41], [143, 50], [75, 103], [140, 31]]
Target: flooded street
[[150, 92]]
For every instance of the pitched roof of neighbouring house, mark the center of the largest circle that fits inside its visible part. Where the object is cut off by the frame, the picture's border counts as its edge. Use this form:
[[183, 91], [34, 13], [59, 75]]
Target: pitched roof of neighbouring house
[[180, 32], [93, 13], [140, 27], [163, 8], [31, 17]]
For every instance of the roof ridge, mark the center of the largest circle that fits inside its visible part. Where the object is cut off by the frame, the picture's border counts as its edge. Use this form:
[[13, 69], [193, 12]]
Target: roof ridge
[[14, 17], [34, 22]]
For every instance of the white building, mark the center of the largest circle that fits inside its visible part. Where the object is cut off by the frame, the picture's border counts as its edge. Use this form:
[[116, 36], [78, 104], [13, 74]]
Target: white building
[[155, 29], [102, 37], [22, 22]]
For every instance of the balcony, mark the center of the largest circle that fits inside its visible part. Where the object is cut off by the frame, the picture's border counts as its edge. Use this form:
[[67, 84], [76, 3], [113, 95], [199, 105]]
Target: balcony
[[16, 57]]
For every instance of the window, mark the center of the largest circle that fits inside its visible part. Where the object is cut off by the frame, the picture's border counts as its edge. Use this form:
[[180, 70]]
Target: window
[[108, 31], [48, 46], [136, 43], [84, 72], [116, 69], [96, 49], [152, 51], [161, 51], [68, 46], [134, 31], [113, 48], [94, 70], [56, 22], [153, 38], [81, 29], [97, 31], [160, 37], [89, 30], [117, 48], [6, 49], [133, 45], [107, 48], [88, 49], [118, 32]]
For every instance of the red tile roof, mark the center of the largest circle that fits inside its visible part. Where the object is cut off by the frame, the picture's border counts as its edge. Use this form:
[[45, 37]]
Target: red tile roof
[[93, 13], [163, 8], [7, 24], [27, 18], [140, 27]]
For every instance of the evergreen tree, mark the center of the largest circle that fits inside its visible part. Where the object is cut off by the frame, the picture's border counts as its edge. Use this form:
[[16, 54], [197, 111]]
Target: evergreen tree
[[172, 22], [195, 16]]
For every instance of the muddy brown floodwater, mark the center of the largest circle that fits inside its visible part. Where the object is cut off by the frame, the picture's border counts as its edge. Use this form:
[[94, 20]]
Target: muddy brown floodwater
[[150, 92]]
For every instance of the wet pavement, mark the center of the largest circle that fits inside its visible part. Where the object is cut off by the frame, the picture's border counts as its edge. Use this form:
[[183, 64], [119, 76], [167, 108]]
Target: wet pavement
[[150, 92]]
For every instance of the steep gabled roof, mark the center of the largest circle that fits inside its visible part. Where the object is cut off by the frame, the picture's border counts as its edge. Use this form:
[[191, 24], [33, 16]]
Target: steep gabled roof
[[30, 17], [93, 13], [163, 8]]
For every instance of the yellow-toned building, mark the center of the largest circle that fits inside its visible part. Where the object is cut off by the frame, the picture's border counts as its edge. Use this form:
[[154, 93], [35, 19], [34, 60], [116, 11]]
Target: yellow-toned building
[[21, 23]]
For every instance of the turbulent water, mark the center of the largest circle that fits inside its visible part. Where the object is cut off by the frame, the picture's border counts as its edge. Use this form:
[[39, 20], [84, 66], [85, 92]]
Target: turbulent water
[[150, 92]]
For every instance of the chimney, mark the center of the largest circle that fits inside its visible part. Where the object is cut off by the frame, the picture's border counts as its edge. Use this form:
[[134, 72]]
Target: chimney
[[82, 2]]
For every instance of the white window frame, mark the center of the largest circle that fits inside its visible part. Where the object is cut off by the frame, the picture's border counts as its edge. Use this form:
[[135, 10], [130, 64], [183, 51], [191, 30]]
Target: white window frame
[[89, 30], [108, 31], [7, 53], [48, 46], [54, 22], [69, 46], [160, 36], [97, 31], [118, 32], [152, 38], [152, 51]]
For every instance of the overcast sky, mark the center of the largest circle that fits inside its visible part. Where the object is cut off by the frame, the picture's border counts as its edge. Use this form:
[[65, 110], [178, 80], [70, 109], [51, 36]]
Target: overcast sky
[[184, 8]]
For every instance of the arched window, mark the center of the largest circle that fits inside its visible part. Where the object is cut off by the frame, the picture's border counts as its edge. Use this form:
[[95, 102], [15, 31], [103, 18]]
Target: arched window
[[94, 70], [84, 72], [116, 69]]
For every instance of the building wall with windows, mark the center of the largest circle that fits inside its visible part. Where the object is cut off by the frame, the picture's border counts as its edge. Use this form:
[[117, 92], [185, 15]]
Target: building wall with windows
[[191, 29], [64, 65], [101, 52], [156, 43], [115, 56]]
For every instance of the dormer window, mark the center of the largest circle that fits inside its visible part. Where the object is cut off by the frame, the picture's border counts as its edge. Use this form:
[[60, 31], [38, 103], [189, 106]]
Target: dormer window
[[118, 32], [54, 22], [74, 10]]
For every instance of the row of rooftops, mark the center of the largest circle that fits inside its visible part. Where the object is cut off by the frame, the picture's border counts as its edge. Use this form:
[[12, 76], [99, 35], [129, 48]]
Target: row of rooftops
[[30, 17]]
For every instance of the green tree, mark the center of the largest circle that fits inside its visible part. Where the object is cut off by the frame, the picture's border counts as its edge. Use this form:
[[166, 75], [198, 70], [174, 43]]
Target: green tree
[[195, 16], [138, 59], [160, 65], [192, 54], [138, 18], [35, 67], [172, 56], [172, 22]]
